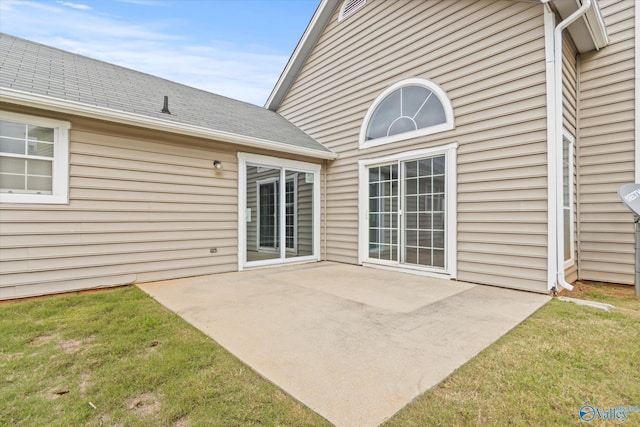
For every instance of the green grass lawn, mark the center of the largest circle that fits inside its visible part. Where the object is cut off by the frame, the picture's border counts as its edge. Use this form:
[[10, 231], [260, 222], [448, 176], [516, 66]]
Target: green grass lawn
[[117, 357], [561, 358]]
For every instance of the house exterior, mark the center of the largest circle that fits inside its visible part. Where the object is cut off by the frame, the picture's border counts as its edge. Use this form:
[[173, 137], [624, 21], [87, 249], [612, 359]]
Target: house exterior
[[101, 188], [531, 177], [473, 140]]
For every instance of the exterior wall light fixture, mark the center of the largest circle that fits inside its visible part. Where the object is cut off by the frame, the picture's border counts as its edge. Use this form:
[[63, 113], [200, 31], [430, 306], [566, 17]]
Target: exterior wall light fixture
[[217, 164]]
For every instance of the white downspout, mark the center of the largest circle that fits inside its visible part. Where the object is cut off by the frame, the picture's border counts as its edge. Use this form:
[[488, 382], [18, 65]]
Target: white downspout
[[555, 180]]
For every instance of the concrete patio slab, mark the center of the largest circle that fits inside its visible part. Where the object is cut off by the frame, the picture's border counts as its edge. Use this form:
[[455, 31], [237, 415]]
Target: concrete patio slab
[[354, 344]]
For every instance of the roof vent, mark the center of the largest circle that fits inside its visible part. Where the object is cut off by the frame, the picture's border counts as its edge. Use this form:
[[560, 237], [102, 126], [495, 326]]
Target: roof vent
[[165, 106], [349, 7]]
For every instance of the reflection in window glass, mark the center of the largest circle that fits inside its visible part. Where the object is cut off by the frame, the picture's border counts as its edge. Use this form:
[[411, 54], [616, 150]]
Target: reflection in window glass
[[406, 109], [26, 158], [299, 213], [264, 220], [424, 216], [383, 212], [262, 213]]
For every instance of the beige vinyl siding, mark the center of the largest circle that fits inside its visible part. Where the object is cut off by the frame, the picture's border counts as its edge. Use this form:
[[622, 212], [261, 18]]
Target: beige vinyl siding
[[143, 206], [569, 122], [489, 58], [569, 84], [606, 150]]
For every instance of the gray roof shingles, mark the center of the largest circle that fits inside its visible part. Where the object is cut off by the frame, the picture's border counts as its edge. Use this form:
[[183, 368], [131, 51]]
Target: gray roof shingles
[[43, 70]]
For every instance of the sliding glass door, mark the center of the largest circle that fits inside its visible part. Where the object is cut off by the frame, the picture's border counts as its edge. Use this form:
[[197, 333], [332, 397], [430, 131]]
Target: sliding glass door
[[383, 212], [268, 215], [424, 212], [407, 212], [279, 221]]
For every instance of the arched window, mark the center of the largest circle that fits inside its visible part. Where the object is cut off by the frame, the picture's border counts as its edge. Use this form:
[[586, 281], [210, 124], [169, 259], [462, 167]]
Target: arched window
[[408, 109]]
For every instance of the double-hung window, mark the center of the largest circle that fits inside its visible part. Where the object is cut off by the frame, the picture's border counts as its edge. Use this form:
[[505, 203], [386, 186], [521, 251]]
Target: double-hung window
[[34, 159]]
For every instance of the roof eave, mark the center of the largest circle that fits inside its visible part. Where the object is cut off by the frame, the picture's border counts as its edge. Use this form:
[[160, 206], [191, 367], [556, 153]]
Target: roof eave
[[26, 99], [590, 32], [597, 28], [301, 52]]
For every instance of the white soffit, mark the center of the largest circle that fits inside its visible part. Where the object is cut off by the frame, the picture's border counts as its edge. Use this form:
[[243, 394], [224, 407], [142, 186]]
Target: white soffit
[[588, 32]]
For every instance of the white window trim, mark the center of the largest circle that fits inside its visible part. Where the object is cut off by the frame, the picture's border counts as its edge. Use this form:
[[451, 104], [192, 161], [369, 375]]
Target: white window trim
[[415, 81], [260, 182], [451, 267], [343, 8], [283, 164], [292, 178], [566, 136], [60, 169]]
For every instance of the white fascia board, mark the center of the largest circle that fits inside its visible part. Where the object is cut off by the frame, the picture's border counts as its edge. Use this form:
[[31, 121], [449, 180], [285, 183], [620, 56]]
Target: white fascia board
[[26, 99], [300, 53], [589, 32], [596, 26]]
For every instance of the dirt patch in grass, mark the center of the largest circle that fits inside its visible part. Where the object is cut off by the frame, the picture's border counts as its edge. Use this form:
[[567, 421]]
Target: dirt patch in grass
[[84, 383], [144, 405], [106, 420], [15, 356], [583, 288], [41, 340], [125, 361], [71, 346], [181, 422], [622, 297], [152, 349], [55, 392]]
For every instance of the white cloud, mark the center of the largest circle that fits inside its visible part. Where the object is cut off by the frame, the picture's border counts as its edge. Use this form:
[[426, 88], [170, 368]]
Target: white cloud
[[75, 5], [155, 48], [240, 75], [142, 2]]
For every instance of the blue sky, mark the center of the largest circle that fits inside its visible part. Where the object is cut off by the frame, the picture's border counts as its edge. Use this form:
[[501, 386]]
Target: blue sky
[[236, 48]]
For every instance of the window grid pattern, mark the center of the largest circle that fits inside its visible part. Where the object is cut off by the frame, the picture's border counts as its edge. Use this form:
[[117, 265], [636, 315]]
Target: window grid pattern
[[383, 212], [290, 214], [406, 109], [26, 158], [268, 213], [424, 212]]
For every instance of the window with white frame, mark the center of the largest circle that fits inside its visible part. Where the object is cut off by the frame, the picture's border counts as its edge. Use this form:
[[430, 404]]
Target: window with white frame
[[408, 109], [349, 7], [34, 159], [407, 205], [567, 197], [278, 210]]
